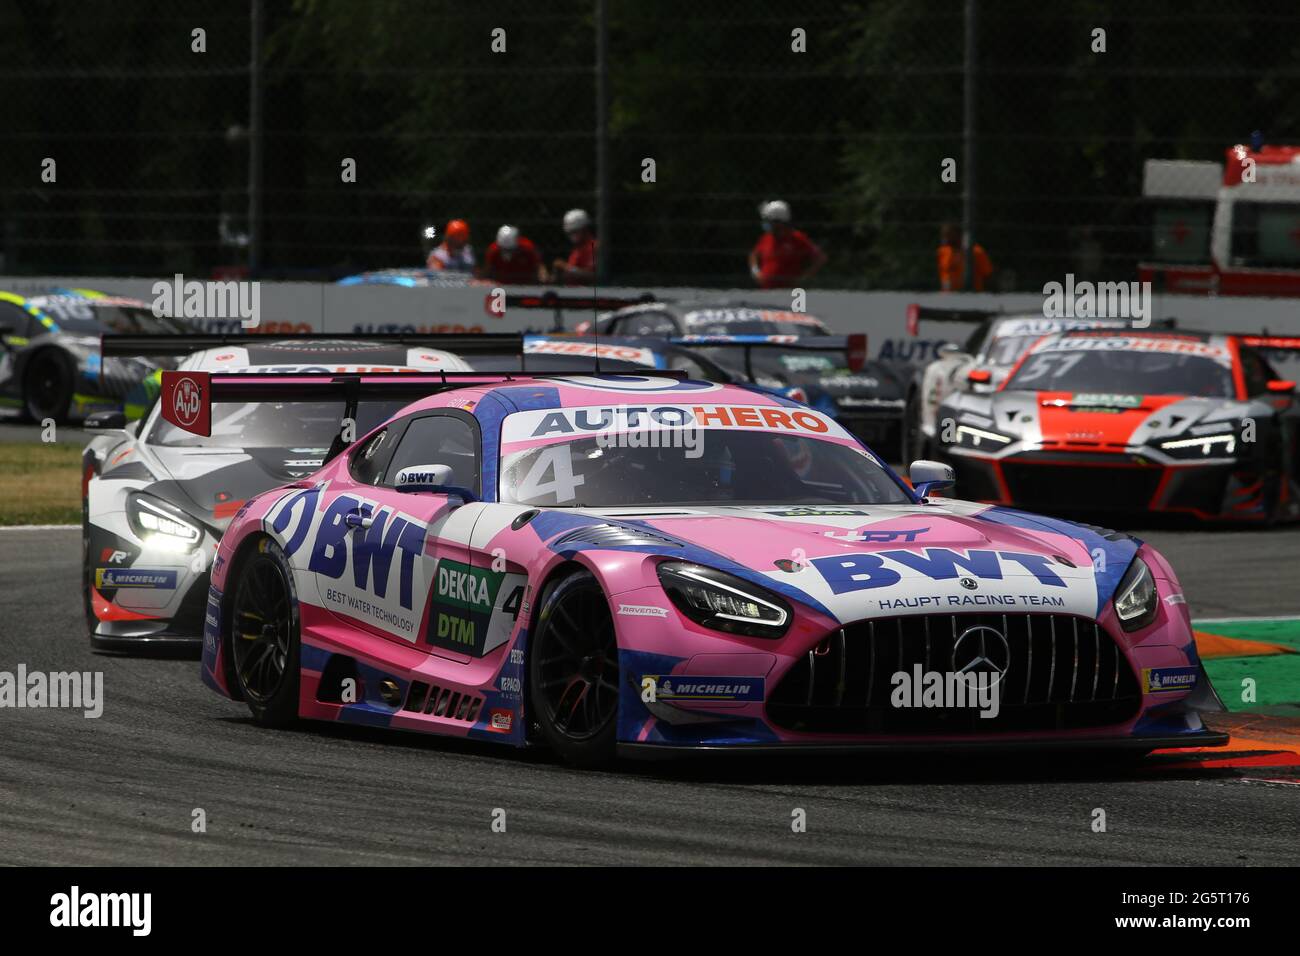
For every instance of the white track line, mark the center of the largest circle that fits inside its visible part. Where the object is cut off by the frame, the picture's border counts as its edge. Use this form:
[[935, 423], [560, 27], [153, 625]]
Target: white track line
[[39, 527], [1263, 617]]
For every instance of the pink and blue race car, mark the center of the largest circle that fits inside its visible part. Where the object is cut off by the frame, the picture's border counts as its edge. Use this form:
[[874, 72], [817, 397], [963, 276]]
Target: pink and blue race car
[[646, 565]]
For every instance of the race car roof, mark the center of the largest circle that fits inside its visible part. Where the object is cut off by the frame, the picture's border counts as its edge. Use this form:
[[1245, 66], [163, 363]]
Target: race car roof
[[1208, 344]]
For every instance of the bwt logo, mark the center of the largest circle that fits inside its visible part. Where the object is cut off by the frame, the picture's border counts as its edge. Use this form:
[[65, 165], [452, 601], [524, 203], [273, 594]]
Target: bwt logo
[[187, 401], [371, 550], [859, 572]]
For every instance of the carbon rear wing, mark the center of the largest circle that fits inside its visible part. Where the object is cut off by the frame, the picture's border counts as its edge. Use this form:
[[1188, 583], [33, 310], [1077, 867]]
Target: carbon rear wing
[[1279, 343], [916, 312], [853, 346], [477, 343], [558, 304]]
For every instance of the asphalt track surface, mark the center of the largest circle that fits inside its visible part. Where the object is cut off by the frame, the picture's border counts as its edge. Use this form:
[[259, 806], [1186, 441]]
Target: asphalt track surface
[[121, 789]]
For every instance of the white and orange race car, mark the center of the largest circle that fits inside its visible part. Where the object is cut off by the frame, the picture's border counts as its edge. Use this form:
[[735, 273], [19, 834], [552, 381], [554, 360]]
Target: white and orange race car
[[1134, 421]]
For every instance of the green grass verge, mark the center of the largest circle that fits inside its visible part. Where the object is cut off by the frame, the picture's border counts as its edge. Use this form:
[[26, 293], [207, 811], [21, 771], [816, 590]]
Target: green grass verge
[[1276, 678], [40, 483]]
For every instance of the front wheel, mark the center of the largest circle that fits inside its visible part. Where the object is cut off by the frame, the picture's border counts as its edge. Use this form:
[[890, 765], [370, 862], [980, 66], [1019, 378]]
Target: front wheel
[[264, 636], [573, 671]]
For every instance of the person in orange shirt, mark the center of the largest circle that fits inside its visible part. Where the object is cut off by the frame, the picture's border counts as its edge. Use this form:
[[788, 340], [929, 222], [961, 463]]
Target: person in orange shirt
[[952, 262]]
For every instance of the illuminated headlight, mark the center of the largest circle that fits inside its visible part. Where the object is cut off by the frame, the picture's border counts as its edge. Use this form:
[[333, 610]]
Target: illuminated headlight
[[159, 525], [1135, 598], [977, 437], [1202, 445], [723, 601]]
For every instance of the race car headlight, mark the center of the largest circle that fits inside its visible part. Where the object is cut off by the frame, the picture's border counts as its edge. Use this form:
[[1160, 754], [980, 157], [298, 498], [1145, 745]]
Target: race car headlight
[[723, 601], [972, 437], [1202, 446], [160, 525], [1135, 598]]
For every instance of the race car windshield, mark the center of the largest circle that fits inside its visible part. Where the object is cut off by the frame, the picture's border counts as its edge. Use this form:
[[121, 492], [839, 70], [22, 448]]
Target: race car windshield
[[301, 425], [709, 467], [1123, 372], [1006, 351]]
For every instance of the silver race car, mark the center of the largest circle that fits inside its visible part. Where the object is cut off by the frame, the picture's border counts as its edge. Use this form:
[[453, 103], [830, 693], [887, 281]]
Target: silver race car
[[156, 499]]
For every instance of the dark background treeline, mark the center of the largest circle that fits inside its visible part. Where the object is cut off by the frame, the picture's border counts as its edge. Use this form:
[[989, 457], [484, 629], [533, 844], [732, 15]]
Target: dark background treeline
[[152, 153]]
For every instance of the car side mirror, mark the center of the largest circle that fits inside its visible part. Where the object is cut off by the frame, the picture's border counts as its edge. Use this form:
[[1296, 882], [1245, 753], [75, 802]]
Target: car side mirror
[[979, 376], [1281, 387], [928, 476], [430, 479], [105, 421]]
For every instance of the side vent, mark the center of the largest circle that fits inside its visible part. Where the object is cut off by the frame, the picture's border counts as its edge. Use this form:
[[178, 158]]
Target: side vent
[[441, 702]]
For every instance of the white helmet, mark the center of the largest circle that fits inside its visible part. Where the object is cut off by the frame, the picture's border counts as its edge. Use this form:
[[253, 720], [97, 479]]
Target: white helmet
[[576, 219], [508, 237], [774, 211]]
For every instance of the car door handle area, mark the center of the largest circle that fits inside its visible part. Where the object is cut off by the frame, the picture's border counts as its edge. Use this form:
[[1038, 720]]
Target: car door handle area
[[358, 519]]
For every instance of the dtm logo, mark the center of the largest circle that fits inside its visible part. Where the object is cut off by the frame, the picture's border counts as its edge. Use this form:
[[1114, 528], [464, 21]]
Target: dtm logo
[[858, 572], [372, 549]]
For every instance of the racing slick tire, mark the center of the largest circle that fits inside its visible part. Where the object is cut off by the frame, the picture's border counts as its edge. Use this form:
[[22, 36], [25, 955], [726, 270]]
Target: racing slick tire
[[264, 634], [47, 387], [573, 671]]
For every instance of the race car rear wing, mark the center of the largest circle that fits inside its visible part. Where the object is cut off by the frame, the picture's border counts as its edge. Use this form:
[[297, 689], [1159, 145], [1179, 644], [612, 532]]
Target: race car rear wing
[[917, 312], [477, 343], [854, 346], [1280, 343], [559, 304], [186, 398]]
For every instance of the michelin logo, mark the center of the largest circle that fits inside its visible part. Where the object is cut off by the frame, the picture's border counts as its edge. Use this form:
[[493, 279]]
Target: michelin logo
[[135, 578], [707, 688], [1157, 680]]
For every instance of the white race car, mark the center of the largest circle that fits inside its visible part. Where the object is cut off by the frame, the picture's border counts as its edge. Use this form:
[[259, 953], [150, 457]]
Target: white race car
[[157, 499]]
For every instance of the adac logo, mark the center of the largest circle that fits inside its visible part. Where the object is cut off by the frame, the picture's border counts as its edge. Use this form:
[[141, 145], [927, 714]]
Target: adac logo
[[336, 544], [880, 569]]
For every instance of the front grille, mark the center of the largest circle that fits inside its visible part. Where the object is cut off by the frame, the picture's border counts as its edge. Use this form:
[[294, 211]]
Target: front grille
[[1202, 488], [1062, 672], [1062, 486], [441, 702]]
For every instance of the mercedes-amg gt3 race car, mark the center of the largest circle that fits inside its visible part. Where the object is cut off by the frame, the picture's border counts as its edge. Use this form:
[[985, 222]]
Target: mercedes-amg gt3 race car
[[651, 565], [1129, 421], [50, 365], [156, 499]]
